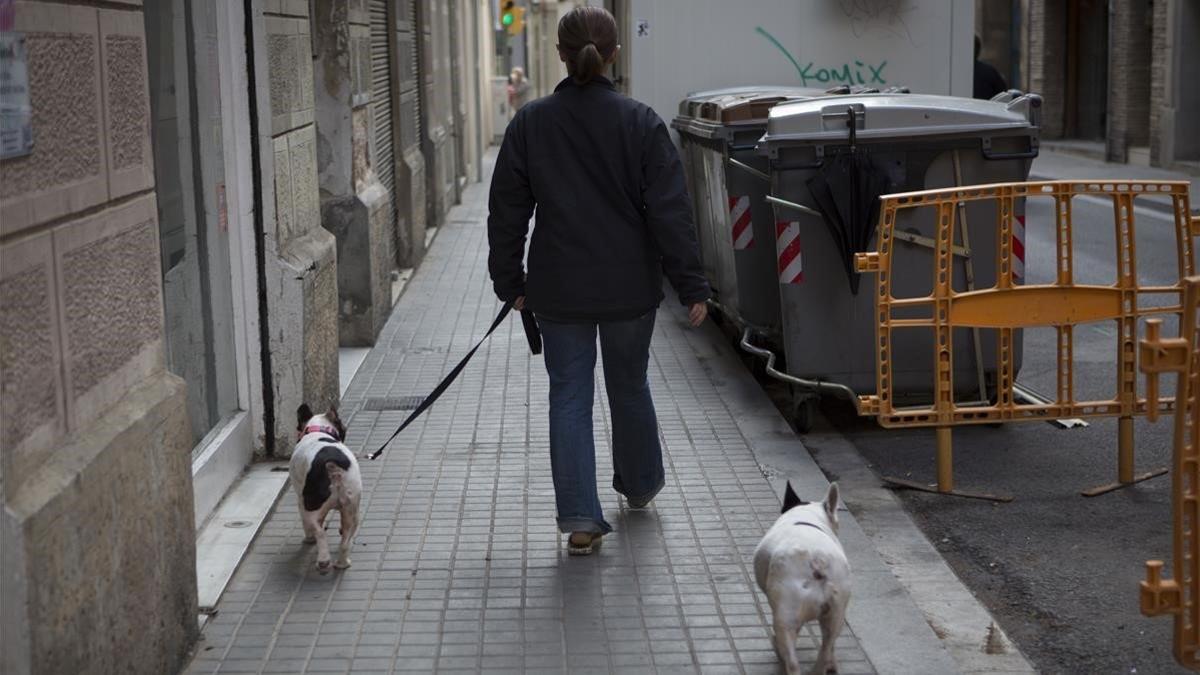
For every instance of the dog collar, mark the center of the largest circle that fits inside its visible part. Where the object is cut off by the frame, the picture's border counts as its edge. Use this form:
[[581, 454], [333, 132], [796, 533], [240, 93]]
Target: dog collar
[[814, 525], [320, 429]]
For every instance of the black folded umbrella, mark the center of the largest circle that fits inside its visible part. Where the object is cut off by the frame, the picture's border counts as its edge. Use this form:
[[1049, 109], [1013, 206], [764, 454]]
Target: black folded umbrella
[[846, 190]]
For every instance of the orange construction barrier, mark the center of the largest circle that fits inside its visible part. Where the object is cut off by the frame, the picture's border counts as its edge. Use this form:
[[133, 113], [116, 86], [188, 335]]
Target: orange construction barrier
[[1007, 307], [1179, 596]]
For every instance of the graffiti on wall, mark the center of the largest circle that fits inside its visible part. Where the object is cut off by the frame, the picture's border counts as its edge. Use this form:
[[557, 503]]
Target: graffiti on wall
[[813, 74]]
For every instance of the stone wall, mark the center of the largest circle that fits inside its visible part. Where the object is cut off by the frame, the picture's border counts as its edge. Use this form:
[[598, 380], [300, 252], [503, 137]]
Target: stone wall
[[97, 541], [355, 205], [301, 256], [1175, 100], [1160, 71], [1129, 78], [1047, 21]]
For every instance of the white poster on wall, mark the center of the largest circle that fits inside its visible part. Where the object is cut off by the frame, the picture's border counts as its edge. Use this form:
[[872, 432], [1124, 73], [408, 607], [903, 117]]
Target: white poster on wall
[[16, 130]]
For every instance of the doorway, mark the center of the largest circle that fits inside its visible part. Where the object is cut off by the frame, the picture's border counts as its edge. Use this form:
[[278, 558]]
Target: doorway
[[200, 133], [1186, 131], [1087, 70]]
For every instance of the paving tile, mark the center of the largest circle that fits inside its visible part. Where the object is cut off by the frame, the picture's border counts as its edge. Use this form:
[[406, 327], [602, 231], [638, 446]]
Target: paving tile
[[278, 665], [462, 568]]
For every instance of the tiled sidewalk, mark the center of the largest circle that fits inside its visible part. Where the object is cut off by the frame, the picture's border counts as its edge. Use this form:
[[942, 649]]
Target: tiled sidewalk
[[458, 565]]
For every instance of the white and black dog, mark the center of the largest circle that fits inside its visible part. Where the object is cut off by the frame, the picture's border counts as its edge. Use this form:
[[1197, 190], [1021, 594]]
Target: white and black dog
[[325, 476], [802, 568]]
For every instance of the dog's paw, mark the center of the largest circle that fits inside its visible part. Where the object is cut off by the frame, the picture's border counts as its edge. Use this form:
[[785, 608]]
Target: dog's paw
[[342, 563], [323, 566]]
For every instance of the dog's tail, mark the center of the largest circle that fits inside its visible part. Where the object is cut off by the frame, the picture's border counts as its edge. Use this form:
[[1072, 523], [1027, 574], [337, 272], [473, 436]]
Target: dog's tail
[[819, 568]]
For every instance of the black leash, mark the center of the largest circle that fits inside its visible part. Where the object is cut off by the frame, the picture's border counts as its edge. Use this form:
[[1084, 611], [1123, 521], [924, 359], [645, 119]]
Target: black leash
[[535, 345]]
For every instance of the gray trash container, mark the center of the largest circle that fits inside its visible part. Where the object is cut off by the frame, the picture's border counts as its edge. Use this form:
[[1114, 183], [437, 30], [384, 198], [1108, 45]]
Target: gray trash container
[[901, 143], [728, 182]]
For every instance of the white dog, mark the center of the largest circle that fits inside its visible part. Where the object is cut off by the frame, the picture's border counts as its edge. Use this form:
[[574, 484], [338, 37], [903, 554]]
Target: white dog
[[802, 568], [325, 477]]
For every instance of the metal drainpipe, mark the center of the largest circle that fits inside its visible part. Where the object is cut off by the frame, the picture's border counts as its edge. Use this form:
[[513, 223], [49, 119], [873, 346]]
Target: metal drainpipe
[[260, 250]]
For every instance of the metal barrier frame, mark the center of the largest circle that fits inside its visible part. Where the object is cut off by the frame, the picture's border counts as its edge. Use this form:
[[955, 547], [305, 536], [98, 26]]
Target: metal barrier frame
[[1179, 596], [1007, 306]]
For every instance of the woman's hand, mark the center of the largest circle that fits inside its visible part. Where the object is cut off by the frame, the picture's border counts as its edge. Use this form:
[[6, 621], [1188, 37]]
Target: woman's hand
[[697, 313]]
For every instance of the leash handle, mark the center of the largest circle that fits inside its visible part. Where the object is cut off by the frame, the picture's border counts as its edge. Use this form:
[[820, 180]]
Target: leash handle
[[531, 332], [535, 345]]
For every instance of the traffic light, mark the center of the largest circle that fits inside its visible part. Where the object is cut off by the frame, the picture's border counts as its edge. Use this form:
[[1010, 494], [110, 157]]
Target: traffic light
[[512, 17], [518, 22]]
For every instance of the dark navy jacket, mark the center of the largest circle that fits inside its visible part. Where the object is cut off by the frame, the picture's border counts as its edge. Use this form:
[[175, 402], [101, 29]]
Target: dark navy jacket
[[613, 212]]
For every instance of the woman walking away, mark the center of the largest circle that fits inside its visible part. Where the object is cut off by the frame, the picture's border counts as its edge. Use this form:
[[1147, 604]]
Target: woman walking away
[[518, 89], [612, 215]]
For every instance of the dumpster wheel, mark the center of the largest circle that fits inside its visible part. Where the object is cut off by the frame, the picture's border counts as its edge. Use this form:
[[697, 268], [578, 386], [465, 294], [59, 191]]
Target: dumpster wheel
[[803, 411]]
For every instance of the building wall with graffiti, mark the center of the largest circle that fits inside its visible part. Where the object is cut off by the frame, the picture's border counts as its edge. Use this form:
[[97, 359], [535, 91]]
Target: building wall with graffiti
[[692, 45]]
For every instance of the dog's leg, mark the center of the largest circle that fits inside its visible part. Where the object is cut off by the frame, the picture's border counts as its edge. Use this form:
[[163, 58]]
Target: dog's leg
[[322, 540], [831, 626], [786, 633], [349, 518], [309, 536]]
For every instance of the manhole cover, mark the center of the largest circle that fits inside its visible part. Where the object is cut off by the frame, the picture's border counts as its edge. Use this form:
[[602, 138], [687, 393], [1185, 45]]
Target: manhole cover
[[238, 523], [393, 403]]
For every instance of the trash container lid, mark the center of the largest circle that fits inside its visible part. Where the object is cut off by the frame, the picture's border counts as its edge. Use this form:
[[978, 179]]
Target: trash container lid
[[888, 116], [708, 114], [691, 105], [752, 108]]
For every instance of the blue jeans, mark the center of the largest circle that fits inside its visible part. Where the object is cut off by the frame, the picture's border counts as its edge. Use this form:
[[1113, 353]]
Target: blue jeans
[[570, 353]]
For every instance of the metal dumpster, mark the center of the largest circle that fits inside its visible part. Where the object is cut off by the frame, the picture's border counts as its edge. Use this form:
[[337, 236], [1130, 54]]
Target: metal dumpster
[[830, 159], [728, 181]]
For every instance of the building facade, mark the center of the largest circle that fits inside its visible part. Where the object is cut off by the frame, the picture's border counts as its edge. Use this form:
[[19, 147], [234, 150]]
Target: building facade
[[218, 195], [1117, 76]]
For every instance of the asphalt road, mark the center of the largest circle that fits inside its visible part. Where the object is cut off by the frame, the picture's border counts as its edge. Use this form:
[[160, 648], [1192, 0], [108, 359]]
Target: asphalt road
[[1060, 572]]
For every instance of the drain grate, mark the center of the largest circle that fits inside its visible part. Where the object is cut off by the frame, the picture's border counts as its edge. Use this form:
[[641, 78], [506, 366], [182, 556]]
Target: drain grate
[[393, 403]]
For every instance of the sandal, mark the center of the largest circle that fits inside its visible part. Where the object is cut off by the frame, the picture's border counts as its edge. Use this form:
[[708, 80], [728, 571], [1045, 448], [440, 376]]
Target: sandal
[[583, 543]]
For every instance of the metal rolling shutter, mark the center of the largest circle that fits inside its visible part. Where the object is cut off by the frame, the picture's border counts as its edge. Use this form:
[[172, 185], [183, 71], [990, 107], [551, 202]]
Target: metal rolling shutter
[[381, 102], [410, 78]]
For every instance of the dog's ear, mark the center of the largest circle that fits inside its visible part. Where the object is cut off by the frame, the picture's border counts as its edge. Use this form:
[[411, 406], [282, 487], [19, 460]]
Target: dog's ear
[[831, 502], [303, 414], [790, 500], [332, 416]]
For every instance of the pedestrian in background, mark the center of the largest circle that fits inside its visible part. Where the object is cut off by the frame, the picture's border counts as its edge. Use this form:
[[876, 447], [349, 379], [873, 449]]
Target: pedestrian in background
[[613, 214], [988, 81], [518, 90]]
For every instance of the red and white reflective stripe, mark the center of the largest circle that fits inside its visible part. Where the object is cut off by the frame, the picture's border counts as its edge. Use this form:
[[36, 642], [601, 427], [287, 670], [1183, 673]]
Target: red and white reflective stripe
[[787, 245], [739, 216], [1018, 248]]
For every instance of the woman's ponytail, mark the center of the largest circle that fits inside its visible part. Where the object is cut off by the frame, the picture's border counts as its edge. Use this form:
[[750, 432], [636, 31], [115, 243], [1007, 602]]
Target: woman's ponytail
[[588, 64], [587, 39]]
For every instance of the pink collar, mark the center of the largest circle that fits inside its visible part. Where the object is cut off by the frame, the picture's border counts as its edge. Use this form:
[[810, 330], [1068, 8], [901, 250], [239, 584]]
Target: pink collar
[[320, 429]]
